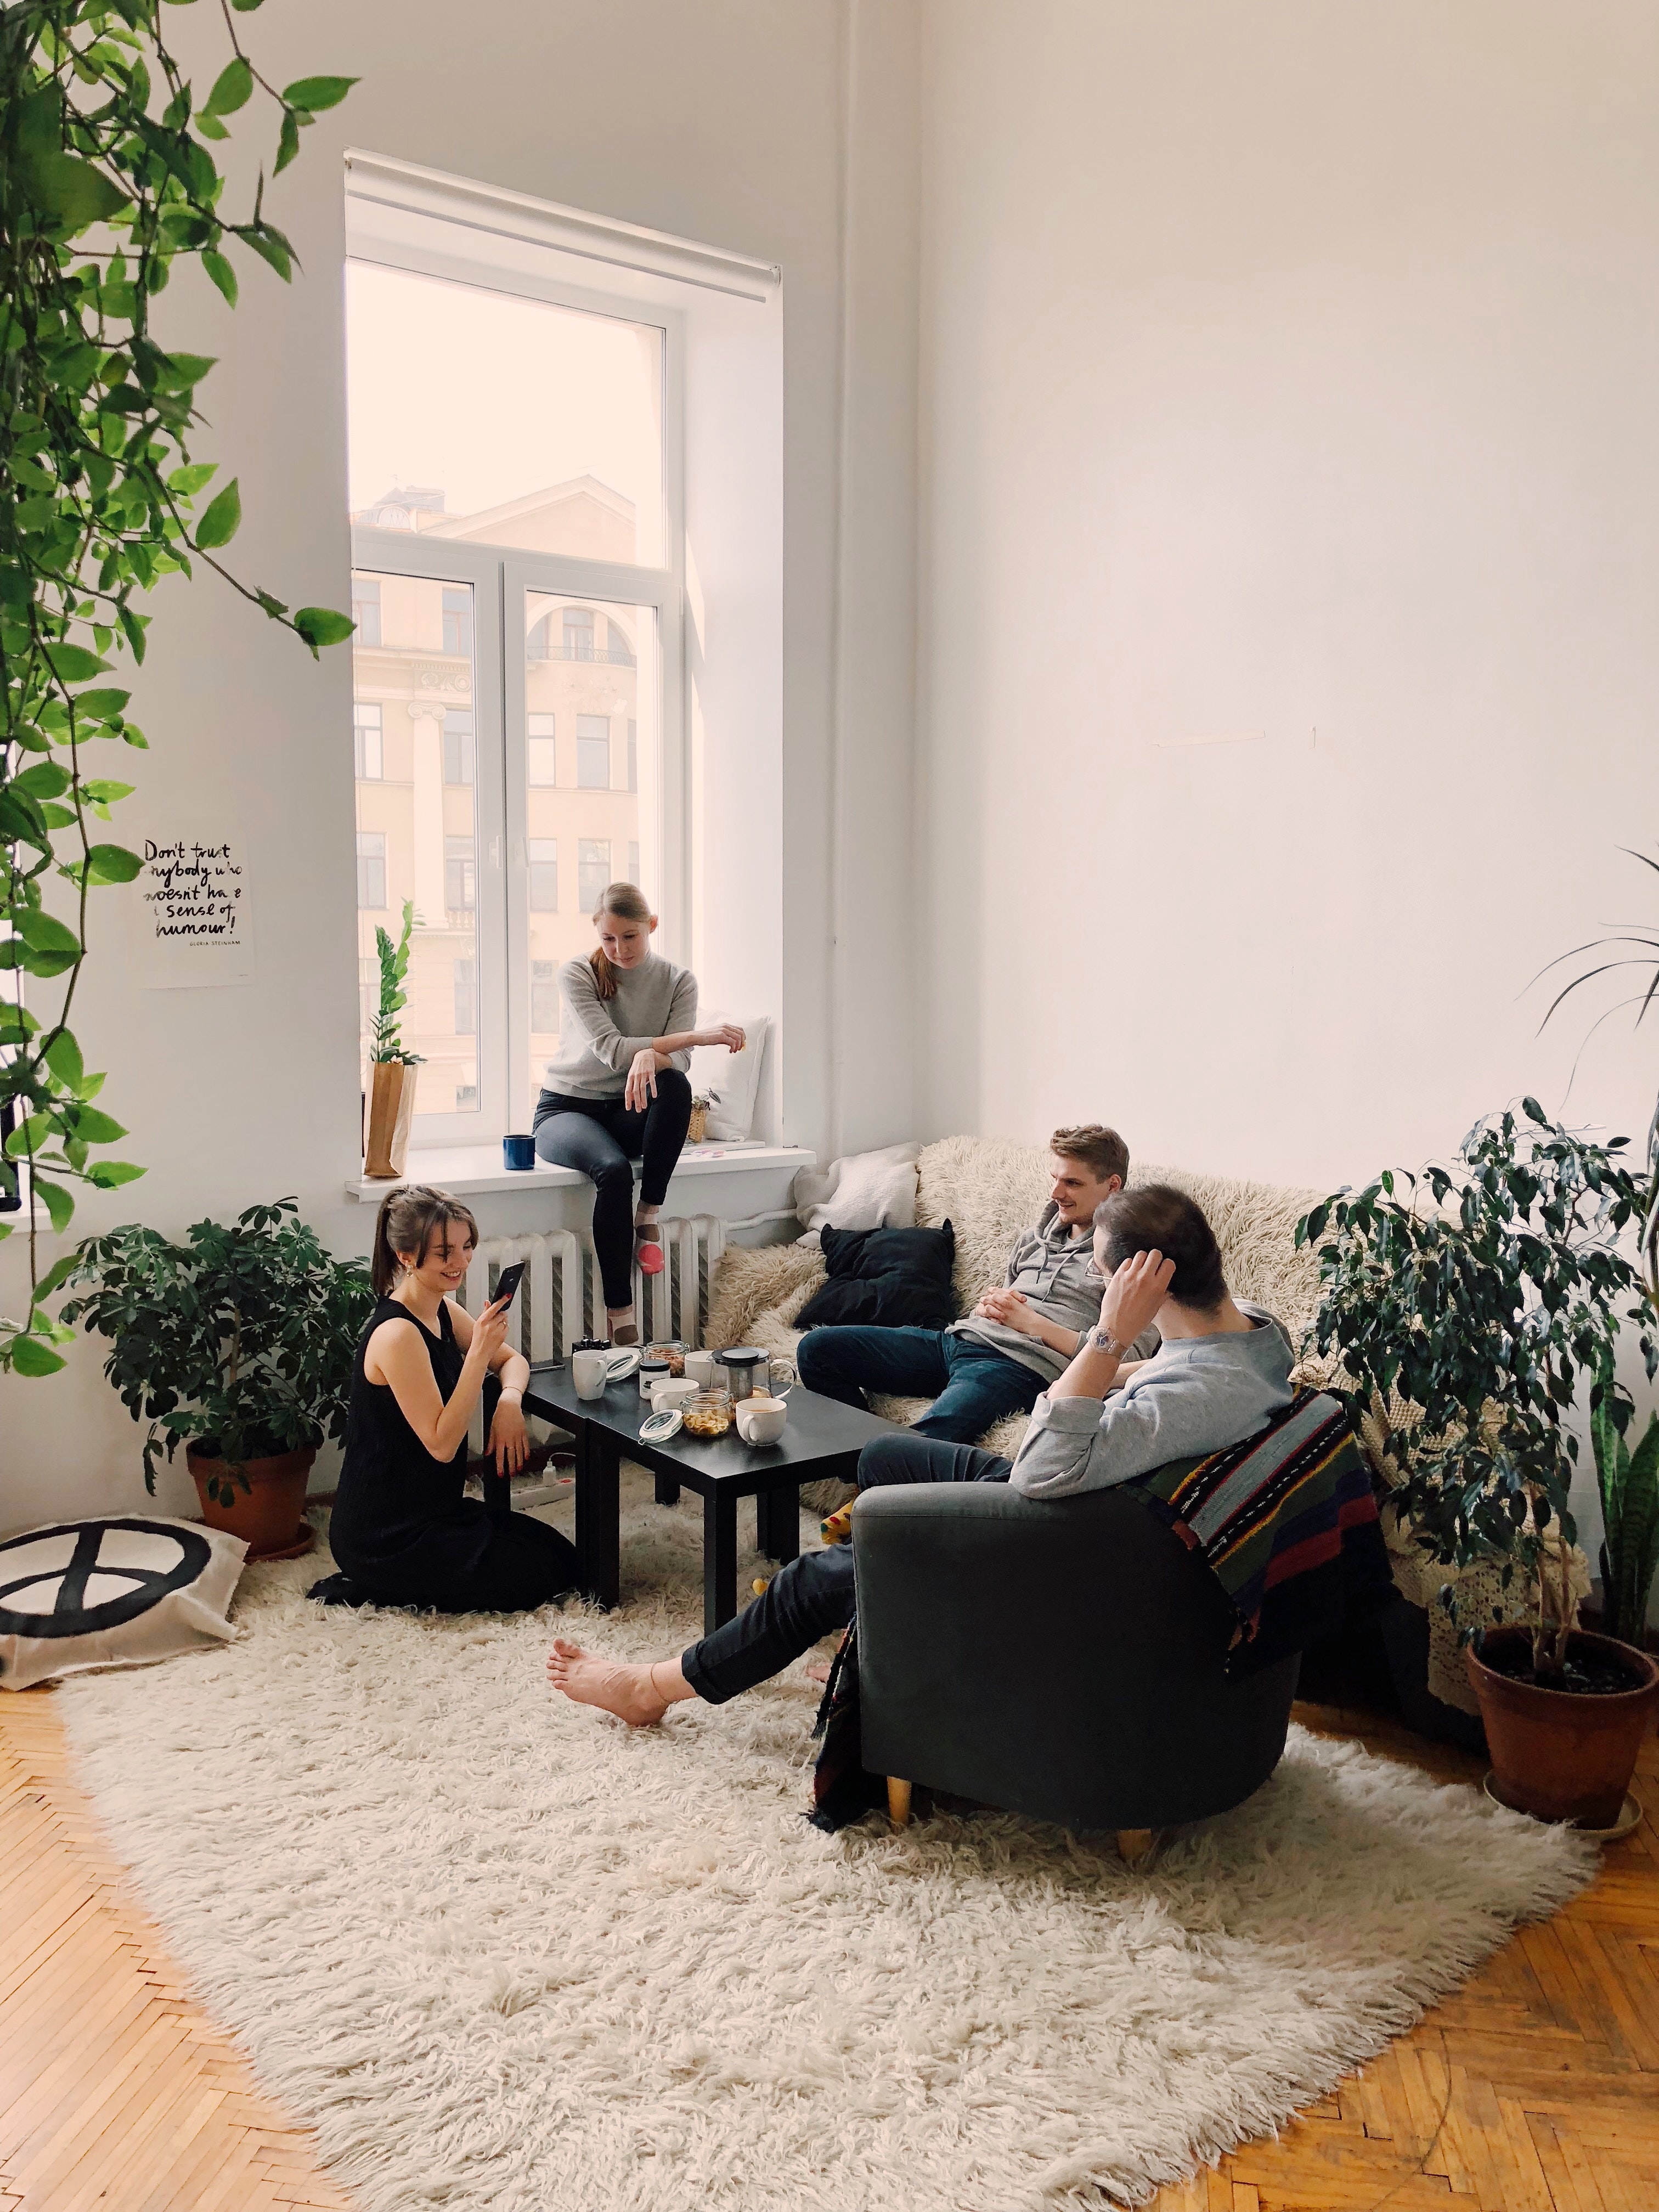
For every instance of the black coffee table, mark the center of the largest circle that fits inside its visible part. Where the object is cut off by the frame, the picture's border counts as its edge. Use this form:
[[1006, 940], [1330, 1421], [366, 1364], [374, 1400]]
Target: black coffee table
[[824, 1440]]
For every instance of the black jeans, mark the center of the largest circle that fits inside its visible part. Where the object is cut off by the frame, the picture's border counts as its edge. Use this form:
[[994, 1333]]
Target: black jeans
[[813, 1595], [600, 1136]]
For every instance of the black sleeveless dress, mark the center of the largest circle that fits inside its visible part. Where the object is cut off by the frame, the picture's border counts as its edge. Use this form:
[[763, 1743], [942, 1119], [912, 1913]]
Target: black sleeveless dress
[[403, 1532]]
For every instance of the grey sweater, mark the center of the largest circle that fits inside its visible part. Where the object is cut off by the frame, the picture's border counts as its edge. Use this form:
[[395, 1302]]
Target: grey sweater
[[598, 1037], [1049, 1266], [1200, 1393]]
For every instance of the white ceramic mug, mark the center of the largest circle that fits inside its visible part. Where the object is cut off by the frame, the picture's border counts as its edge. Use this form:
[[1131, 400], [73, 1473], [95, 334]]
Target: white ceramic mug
[[587, 1369], [674, 1392], [700, 1369], [762, 1420]]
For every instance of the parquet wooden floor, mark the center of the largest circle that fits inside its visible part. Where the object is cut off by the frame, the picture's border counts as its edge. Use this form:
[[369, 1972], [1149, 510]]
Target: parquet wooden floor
[[1534, 2089], [116, 2091]]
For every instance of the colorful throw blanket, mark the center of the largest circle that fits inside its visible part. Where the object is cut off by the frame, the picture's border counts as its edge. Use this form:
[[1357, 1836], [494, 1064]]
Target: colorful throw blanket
[[1288, 1523]]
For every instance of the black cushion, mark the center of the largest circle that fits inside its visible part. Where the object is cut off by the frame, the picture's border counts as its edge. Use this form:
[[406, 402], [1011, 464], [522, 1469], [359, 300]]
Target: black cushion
[[885, 1279]]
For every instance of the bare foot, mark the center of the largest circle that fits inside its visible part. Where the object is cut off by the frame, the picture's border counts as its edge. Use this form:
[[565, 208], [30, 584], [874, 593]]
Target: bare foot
[[610, 1684]]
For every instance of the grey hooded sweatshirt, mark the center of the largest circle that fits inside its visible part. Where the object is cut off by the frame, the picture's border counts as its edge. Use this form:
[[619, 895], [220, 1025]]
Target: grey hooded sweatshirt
[[1050, 1268], [1199, 1395]]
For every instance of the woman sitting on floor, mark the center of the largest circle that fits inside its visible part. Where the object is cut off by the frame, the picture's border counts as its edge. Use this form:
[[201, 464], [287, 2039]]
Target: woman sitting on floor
[[618, 1091], [403, 1532]]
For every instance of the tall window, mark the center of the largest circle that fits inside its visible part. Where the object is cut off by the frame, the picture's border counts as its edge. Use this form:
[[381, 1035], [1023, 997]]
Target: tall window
[[544, 998], [365, 609], [513, 522], [371, 871], [592, 752], [543, 876], [457, 621], [592, 872], [369, 740], [541, 749], [460, 746]]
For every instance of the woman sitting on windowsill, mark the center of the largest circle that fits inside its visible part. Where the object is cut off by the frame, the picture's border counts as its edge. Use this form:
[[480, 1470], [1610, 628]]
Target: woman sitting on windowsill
[[618, 1090], [403, 1532]]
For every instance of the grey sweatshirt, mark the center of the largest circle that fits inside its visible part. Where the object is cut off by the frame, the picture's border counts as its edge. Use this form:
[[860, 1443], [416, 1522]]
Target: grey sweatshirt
[[1200, 1393], [1049, 1266], [598, 1037]]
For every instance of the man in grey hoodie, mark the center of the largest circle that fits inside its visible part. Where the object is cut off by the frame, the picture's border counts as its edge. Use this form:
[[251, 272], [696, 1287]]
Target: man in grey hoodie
[[1018, 1338]]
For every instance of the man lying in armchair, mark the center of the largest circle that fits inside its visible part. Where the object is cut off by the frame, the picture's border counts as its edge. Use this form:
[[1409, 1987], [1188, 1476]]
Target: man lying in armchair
[[1221, 1373]]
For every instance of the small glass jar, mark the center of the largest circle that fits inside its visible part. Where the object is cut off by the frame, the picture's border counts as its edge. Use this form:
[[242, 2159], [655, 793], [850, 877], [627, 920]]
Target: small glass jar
[[707, 1415], [673, 1353], [651, 1371]]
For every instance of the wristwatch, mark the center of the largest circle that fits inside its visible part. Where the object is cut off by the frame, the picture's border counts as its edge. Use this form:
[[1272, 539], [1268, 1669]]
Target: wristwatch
[[1108, 1345]]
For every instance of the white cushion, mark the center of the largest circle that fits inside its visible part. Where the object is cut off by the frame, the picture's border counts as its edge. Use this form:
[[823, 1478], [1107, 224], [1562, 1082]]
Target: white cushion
[[865, 1190], [729, 1080], [121, 1591]]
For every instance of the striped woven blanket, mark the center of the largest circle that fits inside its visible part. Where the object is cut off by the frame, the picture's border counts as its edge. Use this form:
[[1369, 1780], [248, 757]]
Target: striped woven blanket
[[1288, 1523]]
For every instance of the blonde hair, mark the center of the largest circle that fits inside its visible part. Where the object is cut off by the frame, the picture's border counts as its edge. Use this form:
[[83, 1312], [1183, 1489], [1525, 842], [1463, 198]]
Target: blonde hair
[[629, 903], [1101, 1150]]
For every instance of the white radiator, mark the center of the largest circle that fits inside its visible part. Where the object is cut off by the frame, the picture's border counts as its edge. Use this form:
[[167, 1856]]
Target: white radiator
[[562, 1299]]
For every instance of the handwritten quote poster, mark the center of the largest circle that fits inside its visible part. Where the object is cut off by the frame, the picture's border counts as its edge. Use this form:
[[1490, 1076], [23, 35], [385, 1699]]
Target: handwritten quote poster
[[196, 912]]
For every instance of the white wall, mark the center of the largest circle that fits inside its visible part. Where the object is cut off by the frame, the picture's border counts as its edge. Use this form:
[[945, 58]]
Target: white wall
[[722, 122], [1288, 657]]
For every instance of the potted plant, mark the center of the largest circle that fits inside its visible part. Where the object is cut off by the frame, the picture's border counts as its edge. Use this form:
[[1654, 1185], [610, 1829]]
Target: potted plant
[[238, 1344], [1466, 1318], [697, 1128], [1629, 1484], [392, 1100]]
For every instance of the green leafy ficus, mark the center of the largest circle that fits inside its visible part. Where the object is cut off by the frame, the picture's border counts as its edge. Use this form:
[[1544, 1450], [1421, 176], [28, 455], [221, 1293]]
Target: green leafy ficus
[[106, 183], [1467, 1316]]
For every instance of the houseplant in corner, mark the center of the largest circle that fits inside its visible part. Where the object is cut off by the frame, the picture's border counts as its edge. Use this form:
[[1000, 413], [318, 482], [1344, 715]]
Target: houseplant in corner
[[238, 1344], [392, 1099], [1466, 1316]]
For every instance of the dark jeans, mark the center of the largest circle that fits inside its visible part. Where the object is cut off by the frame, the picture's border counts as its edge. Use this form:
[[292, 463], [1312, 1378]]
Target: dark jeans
[[813, 1595], [600, 1136], [970, 1385]]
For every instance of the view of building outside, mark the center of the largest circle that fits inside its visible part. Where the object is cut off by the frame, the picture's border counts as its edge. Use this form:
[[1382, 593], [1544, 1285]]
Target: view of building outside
[[416, 765]]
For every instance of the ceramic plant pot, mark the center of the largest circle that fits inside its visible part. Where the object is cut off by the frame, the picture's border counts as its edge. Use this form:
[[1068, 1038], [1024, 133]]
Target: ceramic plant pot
[[269, 1515], [391, 1110], [1561, 1754]]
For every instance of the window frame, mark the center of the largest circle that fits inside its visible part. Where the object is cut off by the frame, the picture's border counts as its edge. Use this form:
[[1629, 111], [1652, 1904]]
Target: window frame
[[500, 577]]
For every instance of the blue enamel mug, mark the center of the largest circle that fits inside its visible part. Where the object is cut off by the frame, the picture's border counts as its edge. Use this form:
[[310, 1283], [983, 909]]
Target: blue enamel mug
[[519, 1152]]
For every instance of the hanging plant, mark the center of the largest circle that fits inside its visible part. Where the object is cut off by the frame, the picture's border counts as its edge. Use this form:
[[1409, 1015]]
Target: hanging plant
[[107, 180]]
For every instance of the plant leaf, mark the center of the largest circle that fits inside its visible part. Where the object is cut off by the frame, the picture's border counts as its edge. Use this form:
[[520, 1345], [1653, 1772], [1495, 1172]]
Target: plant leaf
[[29, 1356], [221, 273], [223, 518], [314, 93], [321, 626], [233, 88]]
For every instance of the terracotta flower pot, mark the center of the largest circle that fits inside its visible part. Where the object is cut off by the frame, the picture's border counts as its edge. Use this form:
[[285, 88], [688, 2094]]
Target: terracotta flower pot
[[1562, 1754], [391, 1110], [269, 1515]]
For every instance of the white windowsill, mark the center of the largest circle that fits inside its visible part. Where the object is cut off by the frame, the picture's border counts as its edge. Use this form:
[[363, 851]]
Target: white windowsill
[[468, 1169]]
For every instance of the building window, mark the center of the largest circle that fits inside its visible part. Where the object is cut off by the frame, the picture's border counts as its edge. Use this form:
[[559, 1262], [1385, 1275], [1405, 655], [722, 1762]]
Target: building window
[[365, 609], [370, 870], [367, 740], [632, 862], [592, 872], [458, 620], [544, 875], [578, 632], [460, 745], [541, 749], [544, 998], [460, 875], [633, 753], [592, 752], [466, 998]]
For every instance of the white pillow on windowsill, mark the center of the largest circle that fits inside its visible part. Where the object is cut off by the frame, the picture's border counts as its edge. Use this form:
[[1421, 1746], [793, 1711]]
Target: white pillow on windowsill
[[730, 1081]]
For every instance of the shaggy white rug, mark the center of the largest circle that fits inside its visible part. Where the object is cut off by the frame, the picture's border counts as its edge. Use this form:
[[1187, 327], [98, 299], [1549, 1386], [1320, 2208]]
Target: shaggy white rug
[[504, 1954]]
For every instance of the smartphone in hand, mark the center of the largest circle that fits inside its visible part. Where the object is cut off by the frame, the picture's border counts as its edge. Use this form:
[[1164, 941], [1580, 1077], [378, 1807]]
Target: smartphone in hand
[[506, 1285]]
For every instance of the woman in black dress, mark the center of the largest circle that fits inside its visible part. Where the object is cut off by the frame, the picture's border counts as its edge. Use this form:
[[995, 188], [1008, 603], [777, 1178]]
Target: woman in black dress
[[403, 1532]]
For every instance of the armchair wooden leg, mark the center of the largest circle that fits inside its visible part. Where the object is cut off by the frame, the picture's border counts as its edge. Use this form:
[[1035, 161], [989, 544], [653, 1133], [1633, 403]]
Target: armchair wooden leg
[[898, 1801], [1133, 1843]]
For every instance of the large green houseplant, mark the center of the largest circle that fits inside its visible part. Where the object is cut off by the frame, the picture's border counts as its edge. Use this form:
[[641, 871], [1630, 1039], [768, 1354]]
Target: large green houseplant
[[238, 1343], [1469, 1315], [107, 183]]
